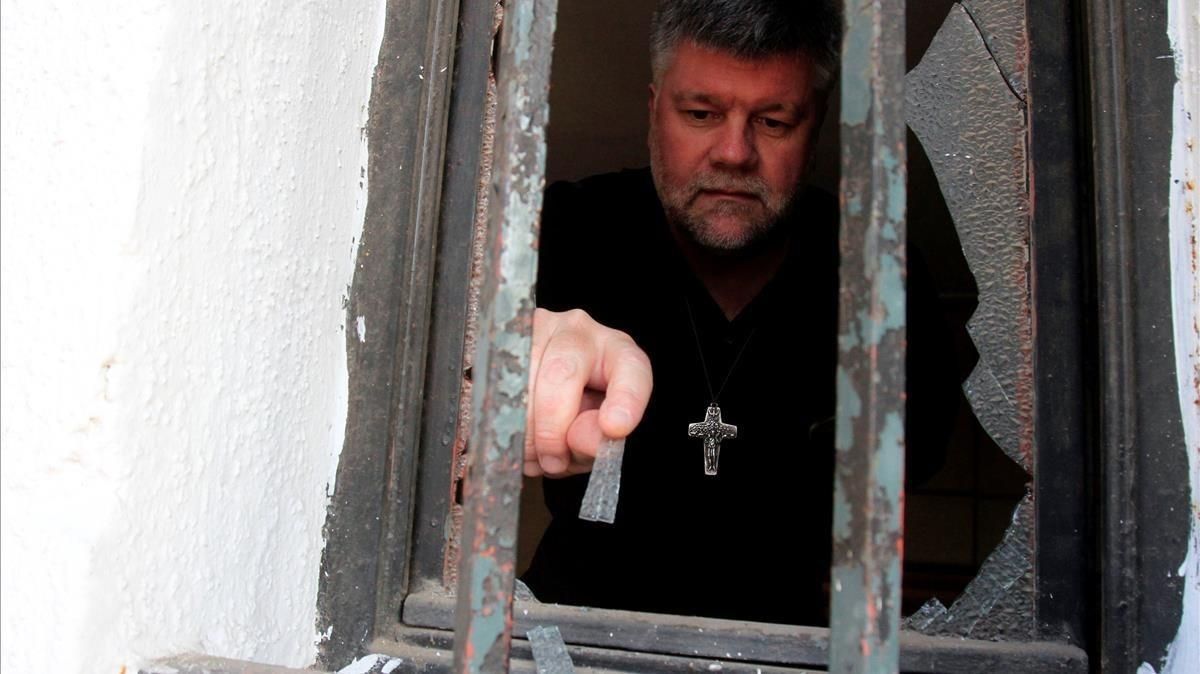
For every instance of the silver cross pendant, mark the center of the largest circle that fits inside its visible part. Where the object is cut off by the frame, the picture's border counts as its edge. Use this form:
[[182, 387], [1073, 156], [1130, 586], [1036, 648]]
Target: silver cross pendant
[[713, 431]]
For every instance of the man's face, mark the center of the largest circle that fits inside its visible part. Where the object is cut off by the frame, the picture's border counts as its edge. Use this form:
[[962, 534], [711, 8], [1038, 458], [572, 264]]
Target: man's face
[[731, 140]]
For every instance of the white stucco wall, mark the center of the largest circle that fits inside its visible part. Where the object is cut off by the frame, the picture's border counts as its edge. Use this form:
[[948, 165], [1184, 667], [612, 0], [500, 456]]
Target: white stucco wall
[[1183, 656], [181, 195]]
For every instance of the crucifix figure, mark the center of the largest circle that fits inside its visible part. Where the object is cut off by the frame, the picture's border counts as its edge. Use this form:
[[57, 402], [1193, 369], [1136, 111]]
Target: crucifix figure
[[713, 431]]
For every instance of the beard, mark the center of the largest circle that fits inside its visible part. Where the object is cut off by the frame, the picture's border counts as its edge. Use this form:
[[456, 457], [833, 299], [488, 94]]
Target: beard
[[755, 220]]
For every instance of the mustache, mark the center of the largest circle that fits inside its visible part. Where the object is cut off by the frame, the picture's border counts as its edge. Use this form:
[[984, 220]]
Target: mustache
[[725, 182]]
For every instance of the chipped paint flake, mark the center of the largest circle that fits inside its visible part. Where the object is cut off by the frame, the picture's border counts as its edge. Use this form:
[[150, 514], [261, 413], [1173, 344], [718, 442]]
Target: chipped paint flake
[[363, 665]]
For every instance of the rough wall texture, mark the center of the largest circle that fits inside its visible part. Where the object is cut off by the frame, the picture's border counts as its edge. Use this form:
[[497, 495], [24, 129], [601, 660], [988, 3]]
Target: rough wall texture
[[182, 192]]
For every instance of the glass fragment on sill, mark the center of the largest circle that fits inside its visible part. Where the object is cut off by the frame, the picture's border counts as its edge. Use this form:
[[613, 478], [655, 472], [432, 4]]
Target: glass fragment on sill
[[550, 654], [929, 612], [521, 592], [604, 484]]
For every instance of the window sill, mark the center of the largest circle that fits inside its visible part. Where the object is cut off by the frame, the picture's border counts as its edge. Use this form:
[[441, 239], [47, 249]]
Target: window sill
[[733, 645]]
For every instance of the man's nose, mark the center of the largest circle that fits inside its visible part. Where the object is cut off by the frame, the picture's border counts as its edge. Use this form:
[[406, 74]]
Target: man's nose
[[735, 146]]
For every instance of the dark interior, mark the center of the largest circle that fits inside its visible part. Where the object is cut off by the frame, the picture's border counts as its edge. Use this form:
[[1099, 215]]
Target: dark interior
[[598, 124]]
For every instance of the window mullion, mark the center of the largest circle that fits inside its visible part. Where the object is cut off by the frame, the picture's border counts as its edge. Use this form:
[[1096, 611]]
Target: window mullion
[[867, 525]]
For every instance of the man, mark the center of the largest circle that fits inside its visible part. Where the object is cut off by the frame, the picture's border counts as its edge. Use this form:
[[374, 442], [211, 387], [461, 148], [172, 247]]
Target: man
[[711, 280]]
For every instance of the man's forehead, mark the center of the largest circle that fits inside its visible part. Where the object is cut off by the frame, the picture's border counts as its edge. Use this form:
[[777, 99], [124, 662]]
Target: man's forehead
[[703, 74], [693, 96]]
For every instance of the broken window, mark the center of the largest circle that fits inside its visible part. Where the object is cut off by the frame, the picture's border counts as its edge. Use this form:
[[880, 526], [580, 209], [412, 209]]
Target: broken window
[[967, 104]]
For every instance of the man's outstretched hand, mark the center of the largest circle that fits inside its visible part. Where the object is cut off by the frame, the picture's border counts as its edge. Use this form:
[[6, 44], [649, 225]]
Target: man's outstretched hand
[[586, 381]]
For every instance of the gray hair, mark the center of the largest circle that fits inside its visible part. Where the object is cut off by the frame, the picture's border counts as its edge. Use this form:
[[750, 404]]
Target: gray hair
[[751, 29]]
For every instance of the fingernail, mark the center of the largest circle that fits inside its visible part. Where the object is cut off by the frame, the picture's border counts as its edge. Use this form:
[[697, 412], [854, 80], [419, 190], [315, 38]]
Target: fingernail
[[620, 417], [553, 464]]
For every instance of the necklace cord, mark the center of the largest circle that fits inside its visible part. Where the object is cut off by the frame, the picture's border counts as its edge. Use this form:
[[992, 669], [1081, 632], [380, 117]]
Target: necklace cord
[[704, 364], [699, 350]]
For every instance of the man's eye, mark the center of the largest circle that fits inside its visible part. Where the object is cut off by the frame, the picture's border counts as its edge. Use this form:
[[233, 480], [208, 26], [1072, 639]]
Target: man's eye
[[700, 115], [773, 124]]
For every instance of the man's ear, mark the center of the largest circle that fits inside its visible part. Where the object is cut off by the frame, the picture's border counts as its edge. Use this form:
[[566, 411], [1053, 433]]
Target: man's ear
[[652, 100]]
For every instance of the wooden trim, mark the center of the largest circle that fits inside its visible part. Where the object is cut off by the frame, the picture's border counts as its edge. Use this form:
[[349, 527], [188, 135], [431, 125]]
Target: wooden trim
[[1143, 508], [368, 527], [1064, 324]]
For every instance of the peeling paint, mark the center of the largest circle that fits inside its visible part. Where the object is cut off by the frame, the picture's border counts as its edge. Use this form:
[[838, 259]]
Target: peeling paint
[[892, 298], [849, 407], [856, 91], [891, 457], [363, 665], [489, 617]]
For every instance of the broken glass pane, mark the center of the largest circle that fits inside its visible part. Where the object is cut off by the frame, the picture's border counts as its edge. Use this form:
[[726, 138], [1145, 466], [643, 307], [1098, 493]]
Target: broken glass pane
[[1001, 24], [973, 129], [965, 104]]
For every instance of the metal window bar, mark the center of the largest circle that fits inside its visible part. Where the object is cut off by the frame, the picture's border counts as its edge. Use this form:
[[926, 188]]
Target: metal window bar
[[868, 540], [492, 489]]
